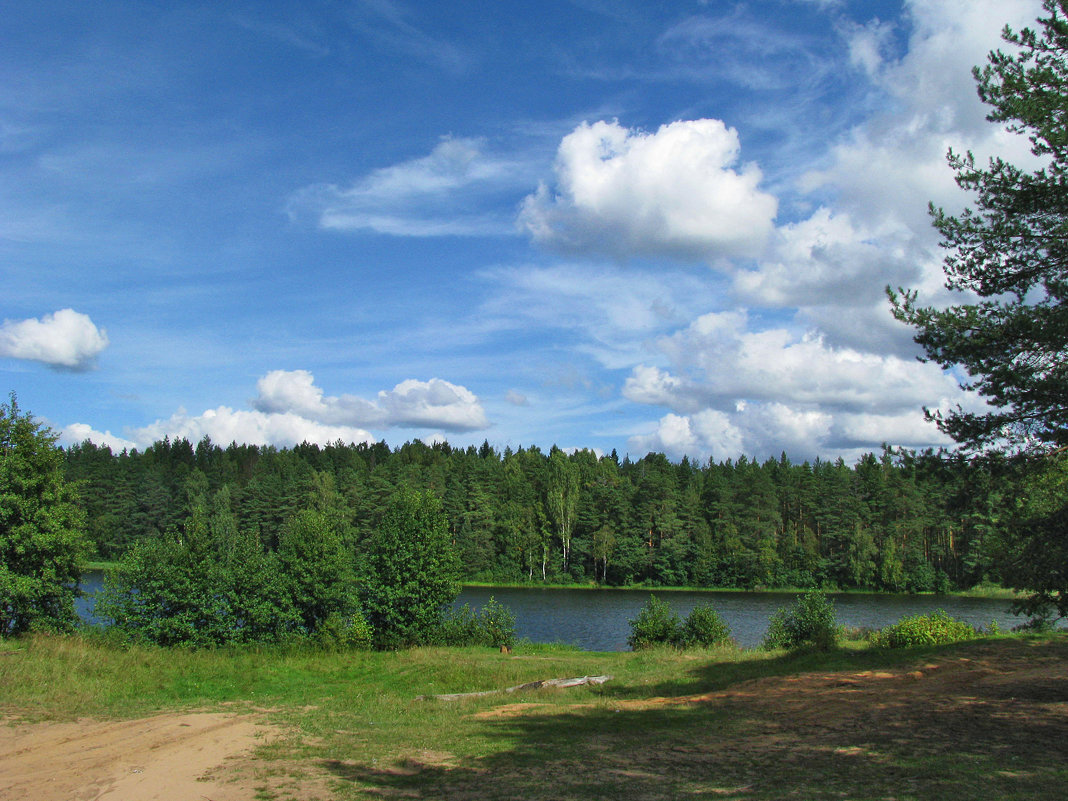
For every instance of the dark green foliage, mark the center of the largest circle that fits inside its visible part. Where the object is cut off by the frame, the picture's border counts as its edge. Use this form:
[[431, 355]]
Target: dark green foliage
[[704, 627], [214, 584], [499, 624], [409, 572], [186, 591], [317, 569], [42, 538], [493, 625], [810, 623], [933, 629], [656, 624], [1031, 545], [899, 521], [345, 632]]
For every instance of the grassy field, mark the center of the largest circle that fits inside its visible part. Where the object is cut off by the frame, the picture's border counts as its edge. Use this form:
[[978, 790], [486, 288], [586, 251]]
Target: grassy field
[[984, 719]]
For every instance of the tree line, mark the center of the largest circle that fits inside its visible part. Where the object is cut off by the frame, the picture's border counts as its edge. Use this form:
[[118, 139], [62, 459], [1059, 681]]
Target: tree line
[[897, 521]]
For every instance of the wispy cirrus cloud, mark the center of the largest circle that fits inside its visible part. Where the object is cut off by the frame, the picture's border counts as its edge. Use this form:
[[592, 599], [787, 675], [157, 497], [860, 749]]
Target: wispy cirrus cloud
[[449, 192], [394, 26]]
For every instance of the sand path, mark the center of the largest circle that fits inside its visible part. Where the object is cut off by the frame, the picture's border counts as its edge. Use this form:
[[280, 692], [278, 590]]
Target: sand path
[[173, 757]]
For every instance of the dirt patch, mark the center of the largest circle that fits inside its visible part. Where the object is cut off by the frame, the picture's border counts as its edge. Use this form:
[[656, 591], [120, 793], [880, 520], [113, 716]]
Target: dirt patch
[[186, 756], [986, 721]]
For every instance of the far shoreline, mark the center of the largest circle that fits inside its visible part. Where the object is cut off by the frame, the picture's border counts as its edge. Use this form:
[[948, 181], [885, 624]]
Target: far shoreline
[[982, 591]]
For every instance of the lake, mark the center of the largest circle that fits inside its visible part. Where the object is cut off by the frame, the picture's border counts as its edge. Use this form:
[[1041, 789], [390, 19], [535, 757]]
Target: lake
[[599, 620]]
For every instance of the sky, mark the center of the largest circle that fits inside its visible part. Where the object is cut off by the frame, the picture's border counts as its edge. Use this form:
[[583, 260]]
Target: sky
[[611, 225]]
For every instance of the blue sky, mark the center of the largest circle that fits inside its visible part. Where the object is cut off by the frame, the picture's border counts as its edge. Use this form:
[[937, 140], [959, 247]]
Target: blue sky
[[609, 225]]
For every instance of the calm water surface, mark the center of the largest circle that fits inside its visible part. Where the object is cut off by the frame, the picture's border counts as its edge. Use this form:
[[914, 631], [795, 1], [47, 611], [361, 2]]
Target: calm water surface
[[599, 620]]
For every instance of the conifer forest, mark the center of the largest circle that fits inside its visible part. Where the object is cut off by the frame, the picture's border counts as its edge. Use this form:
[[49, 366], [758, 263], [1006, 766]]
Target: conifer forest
[[897, 521]]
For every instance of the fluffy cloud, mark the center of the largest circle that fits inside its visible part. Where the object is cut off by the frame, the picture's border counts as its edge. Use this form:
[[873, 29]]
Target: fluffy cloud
[[828, 260], [433, 403], [295, 392], [77, 433], [66, 339], [734, 390], [420, 404], [435, 195], [709, 433], [893, 163], [763, 430], [291, 409], [678, 192], [723, 361], [224, 424]]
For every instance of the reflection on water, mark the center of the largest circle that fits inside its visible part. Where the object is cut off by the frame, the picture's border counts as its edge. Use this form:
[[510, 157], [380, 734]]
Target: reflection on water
[[599, 620]]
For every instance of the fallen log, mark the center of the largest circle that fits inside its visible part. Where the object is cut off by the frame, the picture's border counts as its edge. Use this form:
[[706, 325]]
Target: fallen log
[[530, 685]]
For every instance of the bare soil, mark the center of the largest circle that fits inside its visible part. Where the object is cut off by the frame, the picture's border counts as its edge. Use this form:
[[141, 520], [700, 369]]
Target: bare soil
[[174, 756]]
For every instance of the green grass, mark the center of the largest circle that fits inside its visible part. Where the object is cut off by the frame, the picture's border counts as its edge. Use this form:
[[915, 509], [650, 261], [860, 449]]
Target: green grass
[[99, 565], [354, 718]]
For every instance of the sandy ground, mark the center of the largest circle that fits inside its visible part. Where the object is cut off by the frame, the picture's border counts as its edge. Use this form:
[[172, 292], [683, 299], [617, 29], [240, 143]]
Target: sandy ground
[[162, 758]]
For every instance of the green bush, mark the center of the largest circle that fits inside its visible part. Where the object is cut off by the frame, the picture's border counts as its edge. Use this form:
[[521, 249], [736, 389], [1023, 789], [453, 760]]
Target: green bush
[[810, 622], [915, 630], [345, 632], [409, 572], [704, 628], [493, 625], [655, 625], [498, 622]]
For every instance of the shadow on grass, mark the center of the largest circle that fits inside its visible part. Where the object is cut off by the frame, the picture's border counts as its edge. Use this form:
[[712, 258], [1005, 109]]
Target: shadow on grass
[[974, 734]]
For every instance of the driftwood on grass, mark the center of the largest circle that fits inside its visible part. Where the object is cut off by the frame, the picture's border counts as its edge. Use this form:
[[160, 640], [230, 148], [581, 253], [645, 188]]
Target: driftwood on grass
[[530, 685]]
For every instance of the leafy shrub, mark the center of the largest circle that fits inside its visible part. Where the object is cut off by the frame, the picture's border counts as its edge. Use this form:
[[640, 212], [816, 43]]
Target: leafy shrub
[[704, 627], [498, 623], [410, 571], [656, 624], [810, 622], [460, 627], [493, 625], [915, 630], [345, 632]]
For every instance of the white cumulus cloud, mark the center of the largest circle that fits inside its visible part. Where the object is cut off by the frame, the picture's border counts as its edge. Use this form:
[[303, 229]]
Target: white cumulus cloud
[[732, 390], [290, 408], [224, 424], [65, 339], [678, 192], [421, 404]]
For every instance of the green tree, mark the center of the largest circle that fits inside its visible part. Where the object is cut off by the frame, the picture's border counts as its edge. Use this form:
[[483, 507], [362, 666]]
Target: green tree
[[317, 568], [410, 571], [42, 538], [1011, 250]]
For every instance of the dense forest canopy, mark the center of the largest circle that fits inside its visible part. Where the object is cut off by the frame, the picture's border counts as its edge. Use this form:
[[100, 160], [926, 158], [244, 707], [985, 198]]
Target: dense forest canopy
[[895, 521]]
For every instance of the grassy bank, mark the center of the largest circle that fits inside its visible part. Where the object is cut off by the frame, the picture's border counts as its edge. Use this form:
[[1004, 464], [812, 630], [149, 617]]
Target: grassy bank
[[729, 724], [99, 565]]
